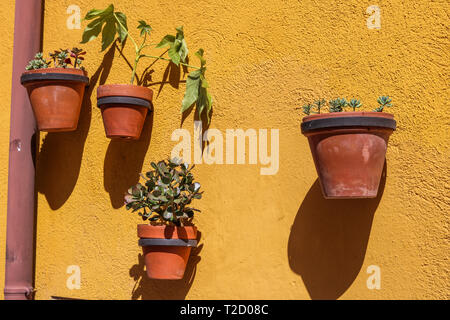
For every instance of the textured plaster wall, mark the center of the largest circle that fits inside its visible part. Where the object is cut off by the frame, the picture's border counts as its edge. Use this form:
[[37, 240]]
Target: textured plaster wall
[[263, 237]]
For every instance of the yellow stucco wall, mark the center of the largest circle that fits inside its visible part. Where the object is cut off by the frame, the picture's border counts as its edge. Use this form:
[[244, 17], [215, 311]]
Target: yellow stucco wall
[[263, 236]]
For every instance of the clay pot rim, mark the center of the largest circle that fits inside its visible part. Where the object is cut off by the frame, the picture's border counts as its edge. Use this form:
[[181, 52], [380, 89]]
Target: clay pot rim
[[124, 90], [353, 120], [54, 75], [146, 231], [348, 114], [57, 70], [111, 101], [144, 242]]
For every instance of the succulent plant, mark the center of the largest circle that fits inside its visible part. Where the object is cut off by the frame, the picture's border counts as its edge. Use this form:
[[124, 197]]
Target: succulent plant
[[354, 104], [38, 62], [164, 196], [319, 104], [338, 105], [383, 101], [61, 59], [77, 54], [307, 108]]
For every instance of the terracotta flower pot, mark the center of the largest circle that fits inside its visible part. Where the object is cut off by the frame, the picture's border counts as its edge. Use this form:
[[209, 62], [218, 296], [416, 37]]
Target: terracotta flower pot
[[56, 95], [349, 150], [124, 108], [166, 249]]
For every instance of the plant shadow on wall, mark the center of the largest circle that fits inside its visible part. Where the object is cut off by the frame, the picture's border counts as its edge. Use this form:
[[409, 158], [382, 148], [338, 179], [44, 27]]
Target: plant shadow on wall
[[151, 289], [59, 159], [328, 240], [172, 75]]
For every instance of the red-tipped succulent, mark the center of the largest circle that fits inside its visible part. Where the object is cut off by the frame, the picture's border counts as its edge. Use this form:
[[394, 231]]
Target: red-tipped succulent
[[77, 54], [61, 58]]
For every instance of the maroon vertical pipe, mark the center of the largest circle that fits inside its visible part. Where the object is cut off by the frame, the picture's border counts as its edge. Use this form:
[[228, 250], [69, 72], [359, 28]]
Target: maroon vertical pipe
[[22, 145]]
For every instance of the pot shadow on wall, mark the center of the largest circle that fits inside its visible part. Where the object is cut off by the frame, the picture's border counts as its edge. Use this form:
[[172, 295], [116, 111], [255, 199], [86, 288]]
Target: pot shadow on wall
[[151, 289], [328, 241], [124, 161], [59, 160]]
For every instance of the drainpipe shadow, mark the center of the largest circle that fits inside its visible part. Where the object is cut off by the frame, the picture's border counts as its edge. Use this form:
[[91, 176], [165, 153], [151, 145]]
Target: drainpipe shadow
[[151, 289], [59, 160], [328, 241]]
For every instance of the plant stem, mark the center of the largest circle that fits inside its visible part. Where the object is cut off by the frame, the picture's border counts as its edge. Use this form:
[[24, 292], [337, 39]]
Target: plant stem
[[128, 34], [133, 74], [136, 48], [138, 55], [75, 63], [161, 58]]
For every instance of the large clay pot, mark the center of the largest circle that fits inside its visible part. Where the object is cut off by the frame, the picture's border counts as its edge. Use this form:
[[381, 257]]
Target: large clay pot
[[124, 108], [349, 150], [56, 95], [166, 249]]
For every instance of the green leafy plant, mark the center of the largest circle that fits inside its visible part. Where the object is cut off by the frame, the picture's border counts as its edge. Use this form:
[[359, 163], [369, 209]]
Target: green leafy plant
[[338, 104], [61, 58], [383, 101], [112, 23], [178, 50], [166, 193], [354, 104], [197, 90]]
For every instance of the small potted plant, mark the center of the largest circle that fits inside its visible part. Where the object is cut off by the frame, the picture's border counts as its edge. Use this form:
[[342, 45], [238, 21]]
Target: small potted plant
[[56, 93], [125, 106], [164, 199], [348, 148]]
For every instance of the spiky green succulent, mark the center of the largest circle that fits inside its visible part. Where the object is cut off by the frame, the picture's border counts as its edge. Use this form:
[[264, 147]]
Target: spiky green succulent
[[383, 101], [307, 108], [355, 104], [319, 104], [338, 104]]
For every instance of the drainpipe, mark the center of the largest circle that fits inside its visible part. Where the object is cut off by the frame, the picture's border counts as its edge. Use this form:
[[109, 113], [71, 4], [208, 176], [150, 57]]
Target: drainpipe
[[22, 147]]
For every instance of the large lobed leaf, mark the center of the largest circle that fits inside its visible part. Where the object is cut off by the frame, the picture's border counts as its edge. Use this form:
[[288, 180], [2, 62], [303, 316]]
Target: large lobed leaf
[[197, 90], [192, 90], [109, 23], [144, 27], [178, 50]]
